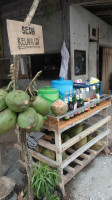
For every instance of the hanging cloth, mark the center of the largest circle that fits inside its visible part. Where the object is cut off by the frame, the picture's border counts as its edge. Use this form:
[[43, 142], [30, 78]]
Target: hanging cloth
[[64, 61]]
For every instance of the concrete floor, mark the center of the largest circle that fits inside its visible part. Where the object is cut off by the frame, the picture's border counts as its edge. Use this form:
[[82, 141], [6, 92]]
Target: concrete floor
[[94, 182]]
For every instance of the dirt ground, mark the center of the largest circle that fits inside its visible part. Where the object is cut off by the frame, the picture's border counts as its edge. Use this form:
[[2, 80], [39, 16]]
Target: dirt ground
[[94, 182]]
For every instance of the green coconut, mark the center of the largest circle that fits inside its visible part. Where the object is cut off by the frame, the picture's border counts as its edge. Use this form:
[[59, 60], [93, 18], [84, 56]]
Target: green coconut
[[81, 143], [48, 153], [64, 155], [75, 130], [41, 106], [3, 104], [39, 125], [97, 146], [65, 137], [40, 149], [17, 100], [7, 120], [27, 119]]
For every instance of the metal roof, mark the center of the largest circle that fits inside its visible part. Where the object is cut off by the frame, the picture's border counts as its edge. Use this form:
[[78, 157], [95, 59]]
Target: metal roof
[[101, 8]]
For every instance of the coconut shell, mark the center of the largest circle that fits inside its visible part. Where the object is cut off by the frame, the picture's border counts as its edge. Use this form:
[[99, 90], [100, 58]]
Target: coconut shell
[[7, 120], [41, 106], [17, 100], [3, 104], [59, 107]]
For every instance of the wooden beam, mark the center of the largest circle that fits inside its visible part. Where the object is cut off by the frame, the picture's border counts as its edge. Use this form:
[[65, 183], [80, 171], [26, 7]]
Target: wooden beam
[[103, 12], [39, 156], [91, 2]]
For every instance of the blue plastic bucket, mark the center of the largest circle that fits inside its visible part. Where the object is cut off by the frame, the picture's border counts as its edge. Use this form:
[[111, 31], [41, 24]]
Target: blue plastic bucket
[[63, 86]]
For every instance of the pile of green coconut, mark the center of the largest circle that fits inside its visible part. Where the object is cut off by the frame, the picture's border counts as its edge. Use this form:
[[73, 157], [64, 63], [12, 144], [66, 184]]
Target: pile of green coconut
[[16, 107]]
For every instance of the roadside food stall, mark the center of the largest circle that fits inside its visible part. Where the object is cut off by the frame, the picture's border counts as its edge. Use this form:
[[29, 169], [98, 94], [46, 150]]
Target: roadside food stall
[[52, 124], [70, 142]]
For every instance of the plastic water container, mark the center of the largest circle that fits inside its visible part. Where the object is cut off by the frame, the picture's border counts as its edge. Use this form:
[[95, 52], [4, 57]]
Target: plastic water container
[[63, 86], [49, 94]]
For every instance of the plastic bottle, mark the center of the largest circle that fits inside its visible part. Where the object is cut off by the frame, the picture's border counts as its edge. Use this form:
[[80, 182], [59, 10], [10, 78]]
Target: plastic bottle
[[75, 104], [78, 102], [70, 105], [81, 102], [97, 95], [66, 118]]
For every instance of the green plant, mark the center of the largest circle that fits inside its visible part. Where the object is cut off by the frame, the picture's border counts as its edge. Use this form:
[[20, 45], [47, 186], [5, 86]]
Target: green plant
[[44, 181]]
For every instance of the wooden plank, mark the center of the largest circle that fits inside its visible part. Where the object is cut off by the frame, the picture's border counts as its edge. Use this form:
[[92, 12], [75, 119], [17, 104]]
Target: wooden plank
[[47, 145], [68, 178], [24, 39], [83, 134], [69, 169], [92, 151], [39, 156], [77, 161], [83, 149], [78, 168], [72, 122], [83, 155]]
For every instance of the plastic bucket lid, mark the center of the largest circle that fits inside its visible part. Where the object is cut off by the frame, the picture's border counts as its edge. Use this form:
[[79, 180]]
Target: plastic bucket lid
[[61, 81], [48, 90]]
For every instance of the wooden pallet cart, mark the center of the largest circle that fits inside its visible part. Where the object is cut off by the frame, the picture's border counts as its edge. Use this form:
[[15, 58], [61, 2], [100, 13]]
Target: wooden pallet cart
[[76, 160]]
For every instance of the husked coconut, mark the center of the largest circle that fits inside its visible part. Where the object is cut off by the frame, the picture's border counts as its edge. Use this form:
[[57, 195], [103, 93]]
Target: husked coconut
[[7, 120], [17, 100], [59, 107], [3, 94]]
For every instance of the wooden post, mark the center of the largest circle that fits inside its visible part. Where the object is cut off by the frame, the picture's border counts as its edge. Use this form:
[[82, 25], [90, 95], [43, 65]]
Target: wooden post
[[0, 163], [28, 161], [59, 159], [106, 149]]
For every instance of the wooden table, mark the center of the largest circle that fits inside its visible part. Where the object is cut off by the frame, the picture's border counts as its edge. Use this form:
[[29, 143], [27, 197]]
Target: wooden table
[[76, 160]]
